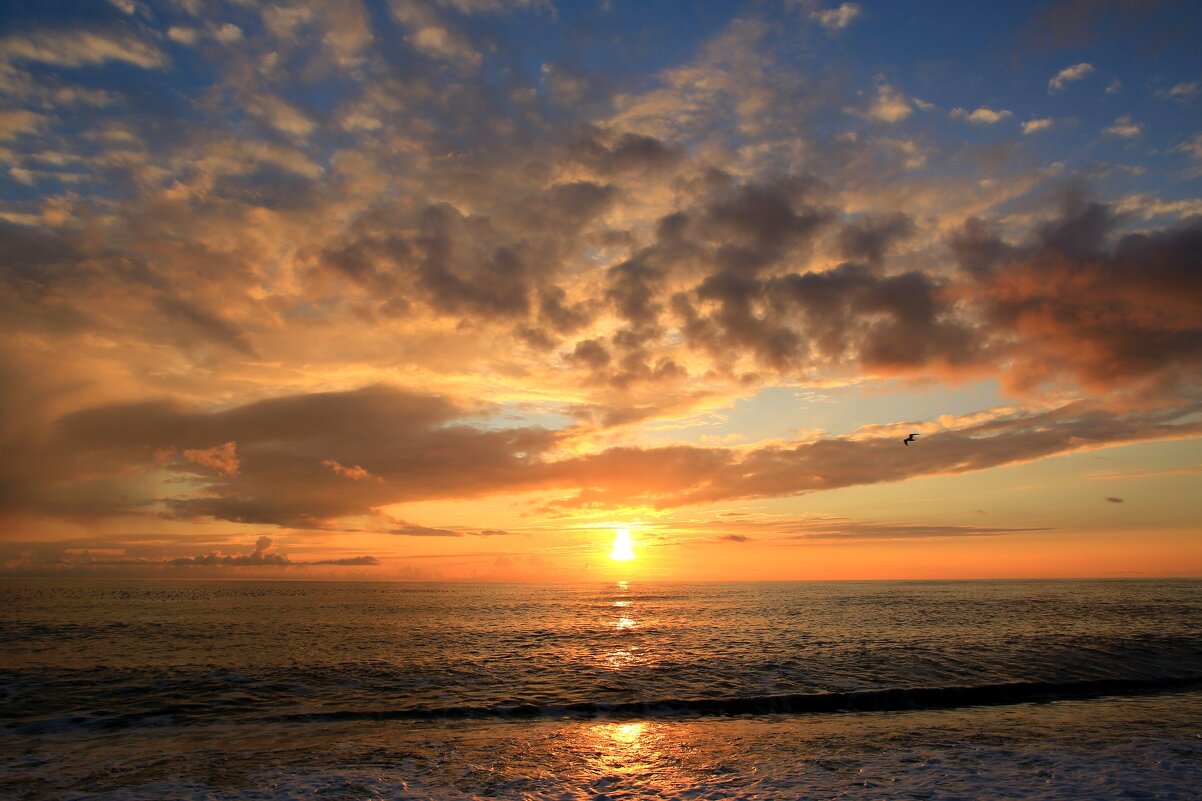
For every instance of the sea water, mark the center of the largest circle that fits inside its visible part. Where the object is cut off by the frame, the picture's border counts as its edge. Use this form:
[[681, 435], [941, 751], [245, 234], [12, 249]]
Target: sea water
[[850, 690]]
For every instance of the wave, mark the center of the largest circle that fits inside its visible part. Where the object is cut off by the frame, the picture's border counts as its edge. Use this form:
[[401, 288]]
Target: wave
[[895, 699], [883, 700]]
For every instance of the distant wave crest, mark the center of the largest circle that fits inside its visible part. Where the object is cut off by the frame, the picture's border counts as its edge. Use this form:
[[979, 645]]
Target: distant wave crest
[[884, 700]]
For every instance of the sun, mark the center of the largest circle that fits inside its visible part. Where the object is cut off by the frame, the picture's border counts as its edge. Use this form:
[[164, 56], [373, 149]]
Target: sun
[[622, 550]]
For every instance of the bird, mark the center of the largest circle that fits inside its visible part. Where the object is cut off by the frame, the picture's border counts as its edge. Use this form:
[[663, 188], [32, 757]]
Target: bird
[[908, 440]]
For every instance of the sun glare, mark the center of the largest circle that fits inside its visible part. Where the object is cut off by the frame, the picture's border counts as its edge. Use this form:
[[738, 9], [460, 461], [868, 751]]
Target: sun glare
[[622, 550]]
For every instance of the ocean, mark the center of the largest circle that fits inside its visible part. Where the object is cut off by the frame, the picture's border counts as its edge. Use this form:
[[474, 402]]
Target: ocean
[[799, 690]]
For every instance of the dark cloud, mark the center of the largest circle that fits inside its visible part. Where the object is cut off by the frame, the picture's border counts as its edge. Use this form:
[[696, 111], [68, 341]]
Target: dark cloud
[[638, 367], [494, 266], [423, 531], [633, 286], [737, 326], [1074, 306], [204, 323], [35, 255], [262, 556], [778, 530], [410, 442], [978, 247], [578, 202], [1079, 303], [755, 224], [66, 280], [463, 272], [748, 301], [366, 255], [628, 153], [869, 240], [1113, 499], [535, 338], [848, 314], [591, 353], [351, 561], [865, 530], [562, 316]]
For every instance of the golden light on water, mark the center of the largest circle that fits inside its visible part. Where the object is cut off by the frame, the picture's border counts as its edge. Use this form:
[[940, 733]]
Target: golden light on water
[[622, 550]]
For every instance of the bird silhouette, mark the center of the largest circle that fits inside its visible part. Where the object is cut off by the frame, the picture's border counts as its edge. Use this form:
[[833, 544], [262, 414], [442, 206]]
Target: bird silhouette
[[908, 440]]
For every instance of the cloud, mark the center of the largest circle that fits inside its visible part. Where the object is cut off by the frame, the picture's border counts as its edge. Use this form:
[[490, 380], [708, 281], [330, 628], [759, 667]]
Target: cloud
[[239, 260], [890, 105], [1192, 146], [1113, 499], [1037, 125], [351, 561], [410, 530], [80, 49], [836, 19], [423, 454], [870, 239], [202, 321], [263, 556], [848, 313], [982, 116], [182, 34], [222, 458], [685, 475], [627, 153], [355, 473], [433, 35], [590, 352], [1079, 303], [282, 116], [836, 529], [226, 33], [1148, 206], [1068, 75], [412, 441], [18, 122], [734, 538], [1182, 92], [1124, 128], [284, 158], [469, 7]]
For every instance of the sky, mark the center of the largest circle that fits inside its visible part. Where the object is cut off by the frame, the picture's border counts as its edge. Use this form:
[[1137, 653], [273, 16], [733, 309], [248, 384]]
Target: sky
[[462, 289]]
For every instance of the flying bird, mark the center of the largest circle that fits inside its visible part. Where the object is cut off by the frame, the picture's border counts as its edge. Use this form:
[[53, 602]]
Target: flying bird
[[908, 440]]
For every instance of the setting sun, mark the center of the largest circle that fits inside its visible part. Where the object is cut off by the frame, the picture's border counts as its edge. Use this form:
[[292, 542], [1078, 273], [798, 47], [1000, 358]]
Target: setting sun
[[622, 550]]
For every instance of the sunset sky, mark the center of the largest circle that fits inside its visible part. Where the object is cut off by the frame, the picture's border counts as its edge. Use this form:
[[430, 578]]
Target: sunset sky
[[460, 289]]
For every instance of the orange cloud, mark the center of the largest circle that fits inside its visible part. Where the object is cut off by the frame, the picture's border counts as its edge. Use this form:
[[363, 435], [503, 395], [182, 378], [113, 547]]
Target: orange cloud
[[355, 473], [222, 458]]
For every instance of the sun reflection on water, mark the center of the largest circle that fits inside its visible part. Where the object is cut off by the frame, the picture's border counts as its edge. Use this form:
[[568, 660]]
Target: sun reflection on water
[[626, 733], [621, 658], [638, 759], [626, 655], [619, 748]]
